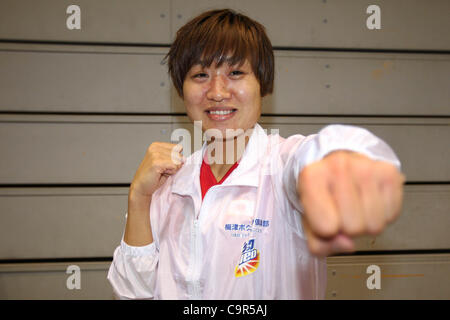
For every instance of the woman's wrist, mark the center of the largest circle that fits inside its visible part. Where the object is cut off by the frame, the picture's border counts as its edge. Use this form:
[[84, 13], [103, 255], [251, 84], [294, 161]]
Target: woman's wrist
[[138, 202]]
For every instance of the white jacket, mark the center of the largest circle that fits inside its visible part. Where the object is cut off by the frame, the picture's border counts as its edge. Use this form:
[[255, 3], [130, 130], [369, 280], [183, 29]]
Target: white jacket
[[245, 240]]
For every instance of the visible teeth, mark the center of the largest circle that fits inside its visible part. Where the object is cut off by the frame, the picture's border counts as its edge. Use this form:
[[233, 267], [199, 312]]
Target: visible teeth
[[221, 112]]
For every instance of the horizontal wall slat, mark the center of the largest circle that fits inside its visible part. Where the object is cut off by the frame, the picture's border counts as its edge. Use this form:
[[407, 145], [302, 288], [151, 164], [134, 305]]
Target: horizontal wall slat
[[419, 143], [423, 276], [423, 223], [418, 146], [108, 149], [115, 79], [47, 281], [85, 149], [45, 223], [405, 24], [335, 83], [402, 277], [360, 83], [137, 21], [83, 79]]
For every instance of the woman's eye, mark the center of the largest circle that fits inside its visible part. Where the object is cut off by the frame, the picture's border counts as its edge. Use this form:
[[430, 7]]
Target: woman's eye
[[200, 75], [236, 73]]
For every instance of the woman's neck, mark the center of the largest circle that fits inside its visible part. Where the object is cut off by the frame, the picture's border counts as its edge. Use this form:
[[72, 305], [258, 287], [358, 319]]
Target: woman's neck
[[223, 154]]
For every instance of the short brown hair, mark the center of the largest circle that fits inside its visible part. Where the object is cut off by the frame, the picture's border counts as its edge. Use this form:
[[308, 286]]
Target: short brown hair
[[213, 35]]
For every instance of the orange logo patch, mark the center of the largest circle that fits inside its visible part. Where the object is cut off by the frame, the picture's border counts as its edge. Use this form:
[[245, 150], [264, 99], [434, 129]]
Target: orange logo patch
[[249, 261]]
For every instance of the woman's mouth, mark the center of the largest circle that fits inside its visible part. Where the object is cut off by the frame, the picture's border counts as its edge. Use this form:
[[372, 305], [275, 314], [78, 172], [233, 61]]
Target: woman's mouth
[[218, 114]]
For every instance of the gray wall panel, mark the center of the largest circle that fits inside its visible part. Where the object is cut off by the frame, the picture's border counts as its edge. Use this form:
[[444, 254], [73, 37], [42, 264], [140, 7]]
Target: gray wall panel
[[38, 223], [115, 79], [83, 79], [60, 149], [136, 21], [327, 83], [405, 24], [421, 276], [76, 149], [423, 223], [402, 277], [61, 222], [360, 83], [47, 281], [419, 143]]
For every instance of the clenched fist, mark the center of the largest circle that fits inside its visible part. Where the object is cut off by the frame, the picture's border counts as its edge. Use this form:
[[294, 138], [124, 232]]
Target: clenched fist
[[345, 195], [161, 161]]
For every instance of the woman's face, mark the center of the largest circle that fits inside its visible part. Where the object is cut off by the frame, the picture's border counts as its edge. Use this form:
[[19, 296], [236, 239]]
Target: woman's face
[[225, 97]]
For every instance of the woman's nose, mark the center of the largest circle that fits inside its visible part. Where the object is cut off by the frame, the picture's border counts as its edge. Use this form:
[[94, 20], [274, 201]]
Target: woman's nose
[[218, 90]]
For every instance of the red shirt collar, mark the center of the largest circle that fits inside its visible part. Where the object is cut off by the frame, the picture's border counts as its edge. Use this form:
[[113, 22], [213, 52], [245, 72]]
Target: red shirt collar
[[207, 178]]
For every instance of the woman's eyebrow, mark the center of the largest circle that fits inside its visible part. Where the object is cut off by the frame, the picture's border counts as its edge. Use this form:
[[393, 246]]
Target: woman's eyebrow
[[196, 67], [201, 65]]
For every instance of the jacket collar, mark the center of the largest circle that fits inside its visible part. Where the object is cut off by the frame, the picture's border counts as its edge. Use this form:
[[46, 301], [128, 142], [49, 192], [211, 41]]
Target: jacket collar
[[187, 180]]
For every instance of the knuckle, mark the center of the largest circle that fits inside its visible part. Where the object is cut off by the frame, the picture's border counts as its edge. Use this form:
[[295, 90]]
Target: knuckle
[[310, 173], [154, 156], [153, 147], [314, 247], [327, 230], [375, 226], [339, 159], [394, 213], [354, 228], [364, 173], [304, 180], [389, 173], [305, 174], [339, 165], [177, 147]]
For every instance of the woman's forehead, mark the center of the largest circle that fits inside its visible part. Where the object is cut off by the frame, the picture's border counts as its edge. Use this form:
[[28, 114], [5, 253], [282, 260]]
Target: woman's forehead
[[228, 61]]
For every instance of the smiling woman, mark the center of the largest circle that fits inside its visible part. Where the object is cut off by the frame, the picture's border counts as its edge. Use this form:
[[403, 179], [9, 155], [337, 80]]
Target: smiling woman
[[222, 64], [260, 225]]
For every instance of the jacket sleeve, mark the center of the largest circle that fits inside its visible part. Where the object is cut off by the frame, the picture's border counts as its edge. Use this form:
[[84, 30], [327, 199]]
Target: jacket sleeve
[[132, 273], [331, 138]]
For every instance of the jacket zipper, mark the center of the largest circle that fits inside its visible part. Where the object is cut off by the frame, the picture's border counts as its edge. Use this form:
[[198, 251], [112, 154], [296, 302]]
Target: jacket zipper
[[194, 263]]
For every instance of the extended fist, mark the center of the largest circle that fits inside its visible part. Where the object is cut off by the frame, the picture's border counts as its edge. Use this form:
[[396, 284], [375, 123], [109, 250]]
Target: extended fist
[[345, 195]]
